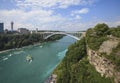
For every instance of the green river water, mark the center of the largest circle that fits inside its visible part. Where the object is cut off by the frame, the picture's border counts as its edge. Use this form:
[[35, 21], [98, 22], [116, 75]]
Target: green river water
[[46, 56]]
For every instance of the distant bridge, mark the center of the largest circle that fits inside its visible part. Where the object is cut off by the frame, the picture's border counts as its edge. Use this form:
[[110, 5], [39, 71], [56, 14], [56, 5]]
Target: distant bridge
[[75, 35], [62, 33]]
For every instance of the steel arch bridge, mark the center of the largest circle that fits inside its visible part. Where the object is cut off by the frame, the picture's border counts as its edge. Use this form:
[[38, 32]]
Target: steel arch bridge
[[62, 33]]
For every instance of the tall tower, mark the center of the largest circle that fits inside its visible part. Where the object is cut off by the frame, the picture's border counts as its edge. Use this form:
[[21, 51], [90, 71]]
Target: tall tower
[[12, 26]]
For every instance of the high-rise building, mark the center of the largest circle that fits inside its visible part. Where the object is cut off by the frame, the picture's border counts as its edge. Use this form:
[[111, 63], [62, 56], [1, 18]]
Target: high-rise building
[[12, 25], [1, 27]]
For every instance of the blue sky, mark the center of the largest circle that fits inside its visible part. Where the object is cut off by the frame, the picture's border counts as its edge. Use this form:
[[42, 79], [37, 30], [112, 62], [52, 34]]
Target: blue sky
[[65, 15]]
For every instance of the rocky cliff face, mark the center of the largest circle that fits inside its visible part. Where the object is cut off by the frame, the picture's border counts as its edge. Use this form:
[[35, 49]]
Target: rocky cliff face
[[104, 66]]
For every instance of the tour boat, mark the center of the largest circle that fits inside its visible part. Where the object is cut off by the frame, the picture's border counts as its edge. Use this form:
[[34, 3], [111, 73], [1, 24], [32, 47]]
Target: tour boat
[[29, 58]]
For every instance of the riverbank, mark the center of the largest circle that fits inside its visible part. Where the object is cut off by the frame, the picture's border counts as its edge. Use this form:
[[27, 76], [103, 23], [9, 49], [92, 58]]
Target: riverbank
[[20, 48], [13, 42], [51, 79]]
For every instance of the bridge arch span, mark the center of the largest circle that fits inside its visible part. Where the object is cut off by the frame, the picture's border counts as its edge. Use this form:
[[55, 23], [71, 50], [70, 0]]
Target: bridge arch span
[[62, 33]]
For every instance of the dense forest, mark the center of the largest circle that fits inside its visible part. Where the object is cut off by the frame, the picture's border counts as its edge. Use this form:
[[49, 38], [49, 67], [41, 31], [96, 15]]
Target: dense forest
[[75, 67], [9, 41]]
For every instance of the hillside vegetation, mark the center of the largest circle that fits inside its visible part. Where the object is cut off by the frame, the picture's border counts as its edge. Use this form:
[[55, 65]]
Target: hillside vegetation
[[75, 67], [100, 33], [97, 35]]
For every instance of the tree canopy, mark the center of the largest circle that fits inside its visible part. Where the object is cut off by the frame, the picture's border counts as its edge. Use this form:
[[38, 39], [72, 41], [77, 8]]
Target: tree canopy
[[101, 29]]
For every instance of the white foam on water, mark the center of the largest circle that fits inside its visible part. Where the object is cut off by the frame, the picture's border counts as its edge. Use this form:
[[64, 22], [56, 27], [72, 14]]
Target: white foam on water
[[62, 54], [5, 58], [10, 55], [19, 52], [41, 46]]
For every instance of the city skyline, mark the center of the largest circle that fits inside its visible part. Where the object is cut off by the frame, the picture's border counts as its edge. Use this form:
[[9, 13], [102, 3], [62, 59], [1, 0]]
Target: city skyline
[[67, 15]]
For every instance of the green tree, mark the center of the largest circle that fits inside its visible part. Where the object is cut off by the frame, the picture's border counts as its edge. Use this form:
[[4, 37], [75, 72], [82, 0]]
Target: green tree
[[101, 29]]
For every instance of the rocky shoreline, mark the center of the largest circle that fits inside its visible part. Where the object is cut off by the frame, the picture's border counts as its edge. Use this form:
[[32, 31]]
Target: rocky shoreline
[[51, 79]]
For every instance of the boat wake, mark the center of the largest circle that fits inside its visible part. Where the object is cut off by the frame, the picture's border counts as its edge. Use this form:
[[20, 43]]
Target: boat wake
[[5, 58]]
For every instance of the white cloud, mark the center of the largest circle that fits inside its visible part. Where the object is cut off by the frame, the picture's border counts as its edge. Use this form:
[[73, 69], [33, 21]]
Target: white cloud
[[72, 26], [46, 3], [117, 23], [81, 11], [44, 20], [78, 17], [113, 23], [51, 3], [76, 13], [40, 14], [28, 19]]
